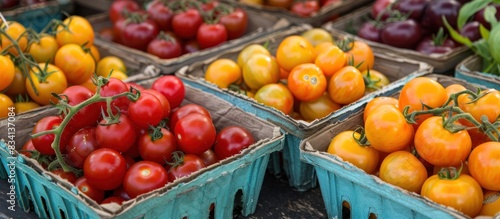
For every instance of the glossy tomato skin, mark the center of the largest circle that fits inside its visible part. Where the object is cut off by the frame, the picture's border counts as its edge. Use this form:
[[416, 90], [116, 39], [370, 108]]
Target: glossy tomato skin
[[277, 96], [401, 34], [427, 46], [163, 100], [146, 111], [305, 8], [471, 31], [114, 87], [119, 136], [210, 35], [76, 64], [235, 22], [93, 193], [370, 31], [88, 115], [68, 176], [413, 7], [195, 133], [363, 157], [161, 14], [172, 88], [293, 51], [118, 7], [484, 165], [223, 72], [157, 150], [80, 145], [138, 35], [259, 70], [403, 169], [45, 49], [27, 147], [318, 108], [165, 48], [435, 10], [487, 105], [231, 141], [379, 8], [184, 111], [209, 157], [190, 164], [43, 143], [104, 169], [307, 82], [186, 24], [378, 101], [54, 83], [346, 85], [143, 177], [79, 31], [362, 54]]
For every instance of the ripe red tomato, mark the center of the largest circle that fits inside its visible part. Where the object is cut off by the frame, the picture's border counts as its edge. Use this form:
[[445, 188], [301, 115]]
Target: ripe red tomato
[[137, 35], [165, 47], [232, 140], [305, 8], [93, 193], [172, 88], [186, 24], [210, 35], [189, 164], [43, 143], [209, 157], [80, 145], [104, 169], [114, 87], [184, 111], [146, 111], [87, 116], [195, 133], [27, 147], [157, 148], [143, 177], [235, 22], [119, 136], [161, 14], [163, 100], [118, 7]]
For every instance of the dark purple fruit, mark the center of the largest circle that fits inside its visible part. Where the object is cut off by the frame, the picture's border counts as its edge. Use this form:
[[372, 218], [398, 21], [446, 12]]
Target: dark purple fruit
[[436, 9], [480, 16], [4, 4], [413, 7], [370, 31], [471, 31], [429, 46], [402, 34]]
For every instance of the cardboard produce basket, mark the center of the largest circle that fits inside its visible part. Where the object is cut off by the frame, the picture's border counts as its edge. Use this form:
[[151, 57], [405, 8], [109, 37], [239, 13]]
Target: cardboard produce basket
[[367, 194], [325, 14], [470, 70], [259, 24], [37, 16], [300, 175], [442, 63], [219, 184]]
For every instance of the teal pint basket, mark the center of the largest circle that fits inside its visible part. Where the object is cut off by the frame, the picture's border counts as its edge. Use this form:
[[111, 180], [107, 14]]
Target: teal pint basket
[[367, 194], [233, 182], [300, 175], [470, 70]]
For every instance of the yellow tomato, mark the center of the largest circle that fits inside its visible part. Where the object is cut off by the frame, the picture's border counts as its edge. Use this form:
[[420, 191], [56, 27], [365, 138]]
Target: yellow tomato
[[7, 72], [249, 51], [223, 72], [5, 104], [294, 50], [317, 36], [15, 31], [108, 63], [45, 49]]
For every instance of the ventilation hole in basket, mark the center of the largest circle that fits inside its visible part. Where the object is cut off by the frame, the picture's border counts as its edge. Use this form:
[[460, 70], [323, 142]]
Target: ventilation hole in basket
[[62, 214], [238, 203], [346, 210], [372, 216], [27, 193], [212, 211], [45, 207]]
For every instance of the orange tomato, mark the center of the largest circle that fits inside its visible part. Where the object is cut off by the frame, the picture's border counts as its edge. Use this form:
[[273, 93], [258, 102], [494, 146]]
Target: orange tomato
[[249, 51], [346, 85], [403, 169], [491, 203], [118, 75], [277, 96], [484, 165], [454, 88], [284, 73], [78, 31], [318, 108], [8, 72], [22, 107], [307, 82], [77, 64], [44, 50], [331, 60], [488, 105], [108, 63], [15, 31], [386, 129], [5, 104], [223, 72], [345, 146], [378, 101], [259, 70], [321, 48], [45, 83], [361, 55], [294, 50]]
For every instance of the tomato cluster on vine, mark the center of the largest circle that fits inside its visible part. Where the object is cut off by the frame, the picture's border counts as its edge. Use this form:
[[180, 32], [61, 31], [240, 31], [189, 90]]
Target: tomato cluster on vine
[[169, 29], [419, 24], [129, 139]]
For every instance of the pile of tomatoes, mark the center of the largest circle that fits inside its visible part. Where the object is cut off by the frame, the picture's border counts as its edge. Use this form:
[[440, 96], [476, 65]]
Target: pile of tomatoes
[[34, 65], [443, 156], [418, 24], [301, 8], [169, 29], [133, 146], [308, 78]]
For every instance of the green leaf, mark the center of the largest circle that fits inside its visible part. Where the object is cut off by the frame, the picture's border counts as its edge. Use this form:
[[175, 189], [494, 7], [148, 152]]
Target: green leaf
[[485, 33], [469, 9], [490, 15], [494, 43], [455, 35], [482, 48]]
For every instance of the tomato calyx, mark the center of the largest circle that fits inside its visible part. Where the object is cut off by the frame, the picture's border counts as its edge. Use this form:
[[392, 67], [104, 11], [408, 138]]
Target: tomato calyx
[[135, 17], [164, 36], [177, 160], [154, 132], [450, 173], [362, 140], [43, 74], [369, 82]]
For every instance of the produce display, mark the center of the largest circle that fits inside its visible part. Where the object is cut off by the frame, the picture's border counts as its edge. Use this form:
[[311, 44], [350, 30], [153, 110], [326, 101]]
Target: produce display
[[300, 8]]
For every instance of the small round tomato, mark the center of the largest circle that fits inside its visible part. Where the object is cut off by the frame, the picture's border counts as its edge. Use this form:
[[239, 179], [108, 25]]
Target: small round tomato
[[172, 88], [78, 31], [249, 51], [188, 164], [260, 70], [403, 169], [294, 50], [346, 85], [277, 96], [331, 60], [491, 204], [27, 148], [88, 115], [462, 193], [305, 8], [439, 146], [488, 105], [231, 140], [186, 110], [25, 106], [318, 108], [235, 22], [5, 105], [104, 169], [146, 111], [109, 63], [378, 101], [157, 146], [163, 100], [360, 54], [211, 35], [223, 72], [119, 136], [114, 87], [143, 177], [195, 133], [50, 80], [68, 176], [18, 84], [165, 46], [317, 36], [8, 72], [378, 80], [77, 65], [209, 157], [322, 48], [307, 82], [45, 49], [117, 8], [161, 14], [15, 31], [345, 146], [185, 24], [484, 165], [96, 55], [93, 193], [43, 143], [386, 129], [80, 145]]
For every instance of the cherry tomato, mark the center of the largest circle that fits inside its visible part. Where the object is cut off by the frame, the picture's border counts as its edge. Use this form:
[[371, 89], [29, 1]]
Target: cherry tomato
[[108, 63], [260, 70], [484, 106], [370, 31], [317, 36], [43, 143], [277, 96], [189, 164], [361, 55], [318, 108], [165, 47], [114, 87], [249, 51], [79, 31], [117, 9], [138, 34], [307, 82], [403, 169], [104, 169], [402, 34], [25, 106], [90, 191], [305, 8], [15, 31], [428, 45], [77, 65], [5, 105], [186, 110], [231, 140], [68, 176], [235, 22], [118, 136], [331, 60], [386, 129], [379, 79], [8, 72], [163, 100], [161, 14], [223, 72], [18, 84], [378, 101], [195, 133], [143, 177], [146, 111], [211, 35], [491, 204], [209, 157], [27, 148], [484, 165], [45, 49], [321, 48], [172, 88], [55, 82], [88, 115], [157, 148], [80, 145], [346, 86], [345, 146], [186, 24], [294, 50]]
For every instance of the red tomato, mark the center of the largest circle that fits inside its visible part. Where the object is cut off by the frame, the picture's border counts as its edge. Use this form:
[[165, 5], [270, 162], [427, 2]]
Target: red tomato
[[189, 164], [87, 116], [209, 157], [210, 35], [186, 24], [120, 192], [81, 144], [146, 111], [165, 47], [43, 143], [137, 35], [119, 136], [172, 88], [231, 141], [68, 176], [104, 169], [27, 147], [184, 111], [161, 14], [305, 8], [195, 133], [118, 7], [93, 193], [143, 177], [163, 100], [114, 87], [235, 22], [157, 146]]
